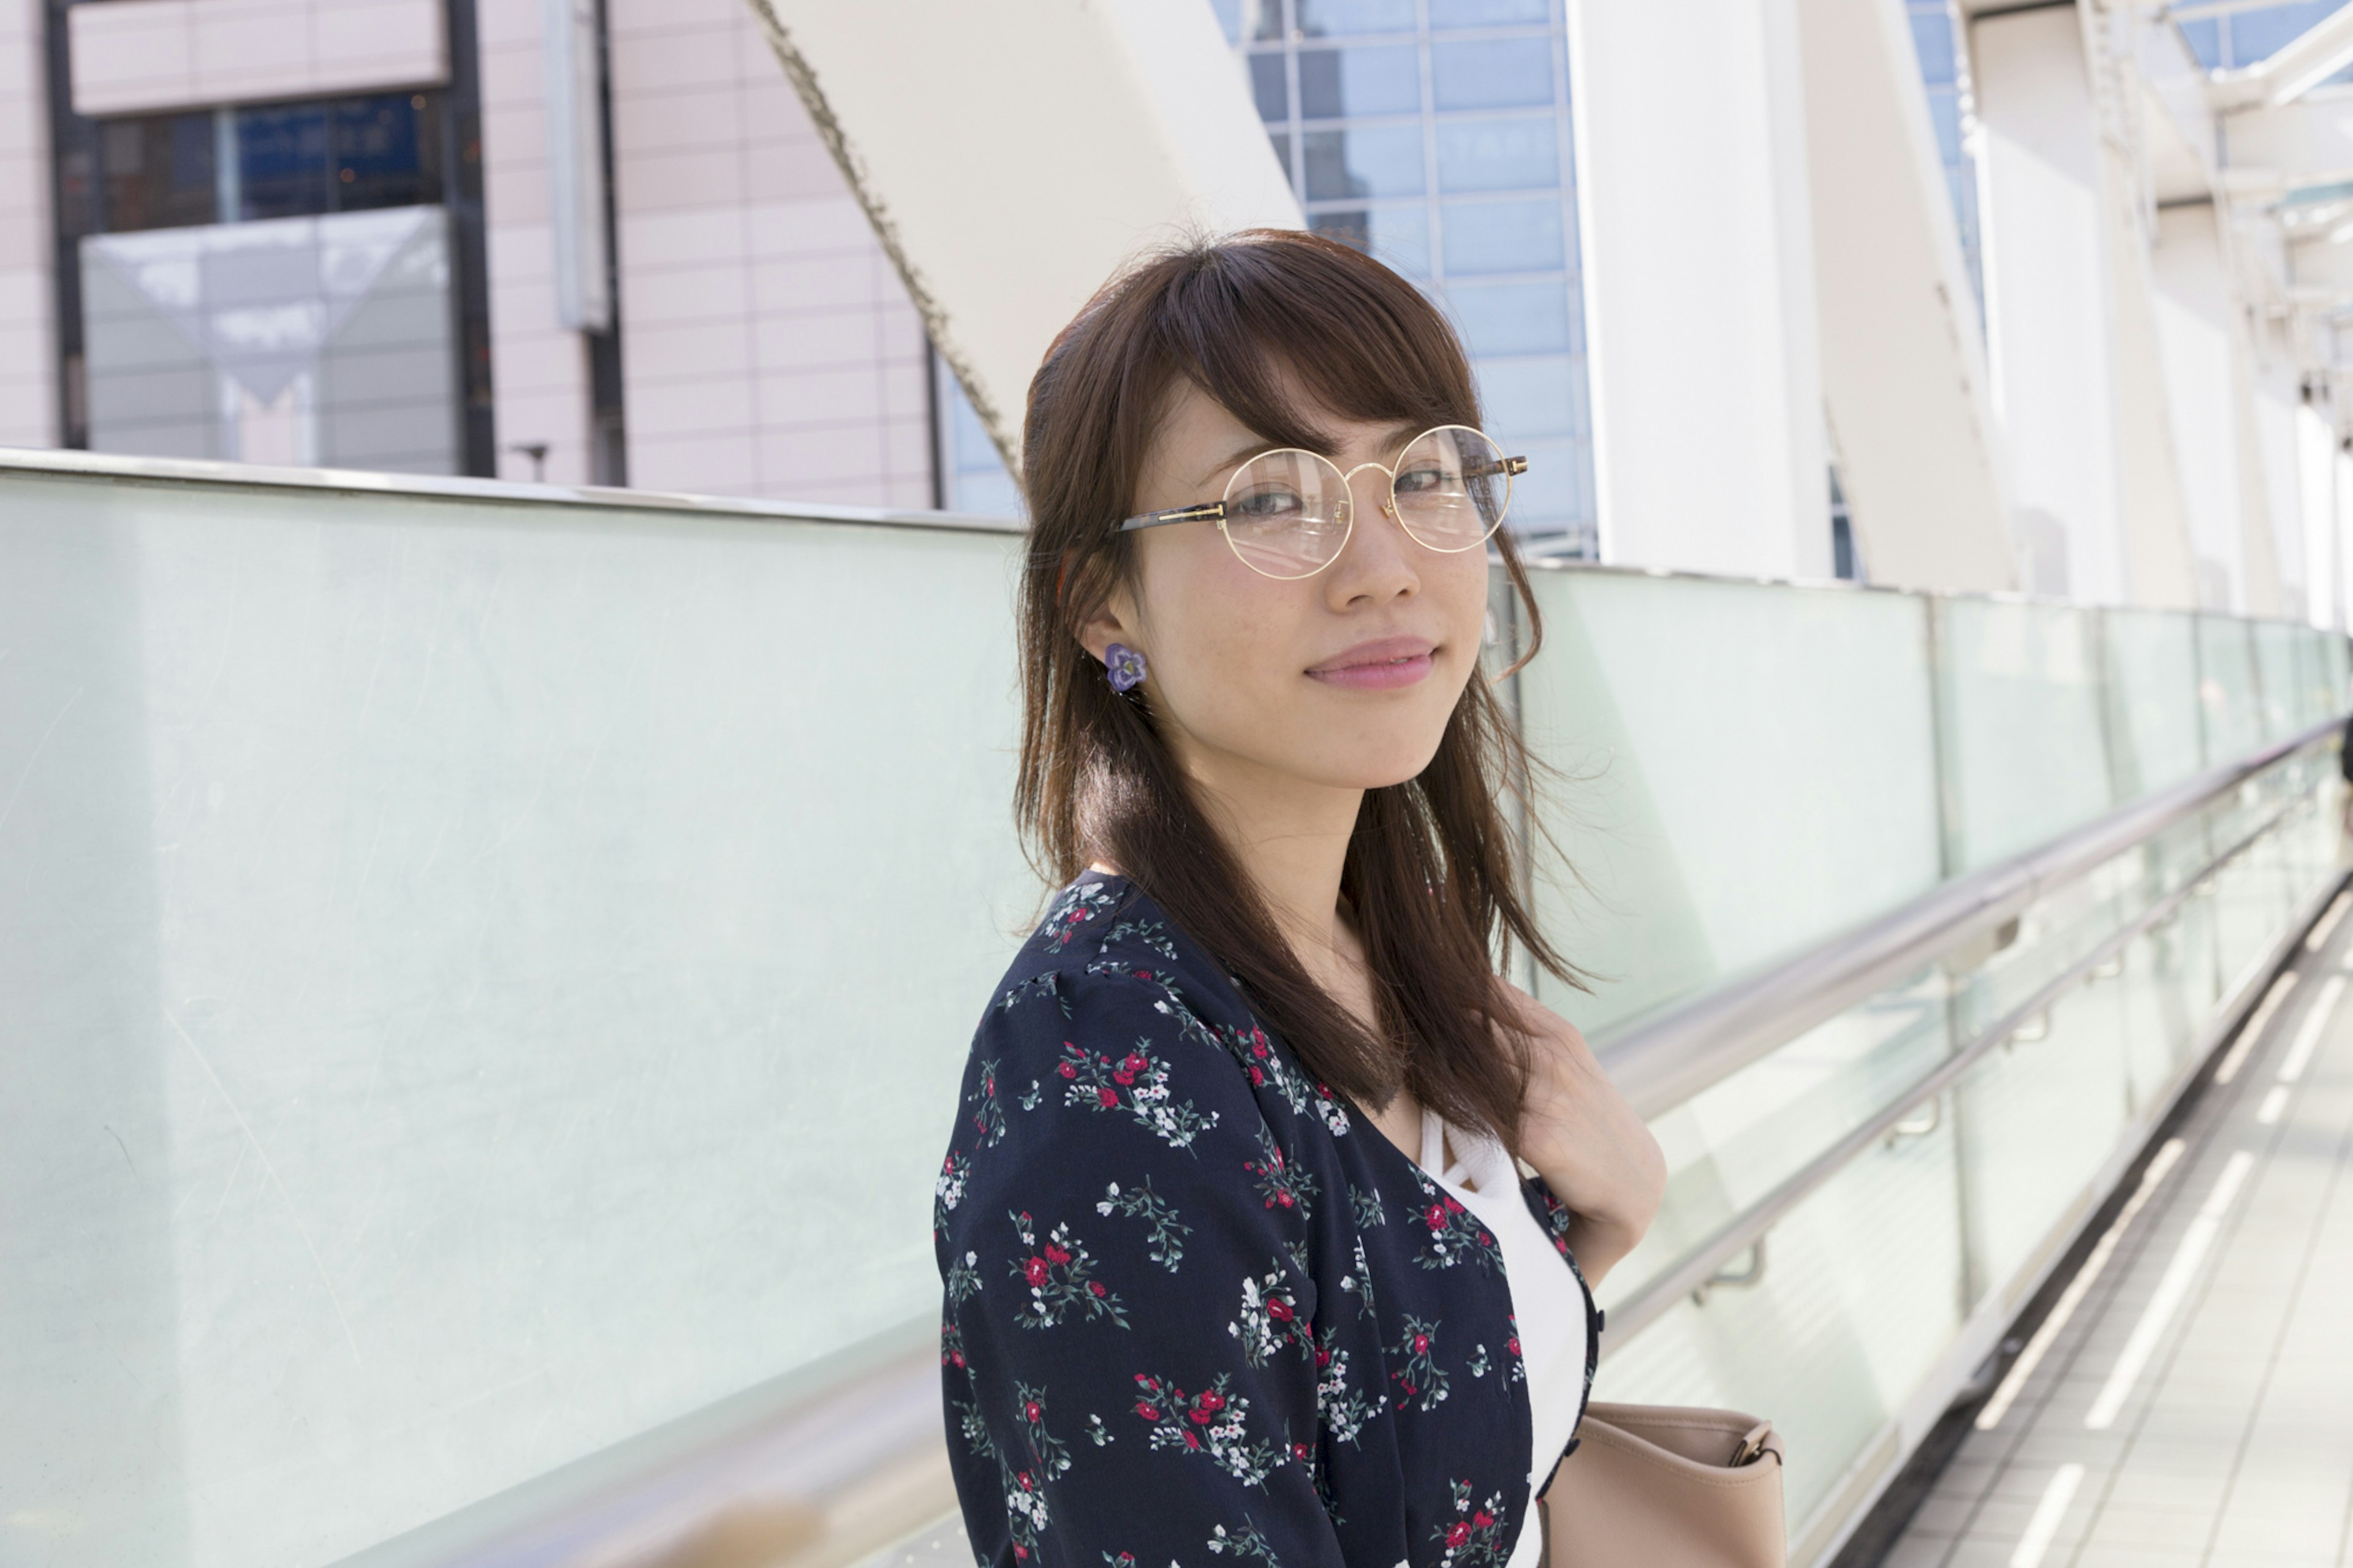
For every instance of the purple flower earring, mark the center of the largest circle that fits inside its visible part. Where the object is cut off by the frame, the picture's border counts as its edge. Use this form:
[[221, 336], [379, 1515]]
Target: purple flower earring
[[1124, 666]]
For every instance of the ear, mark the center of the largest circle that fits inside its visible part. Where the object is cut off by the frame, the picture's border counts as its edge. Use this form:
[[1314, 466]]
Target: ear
[[1113, 621]]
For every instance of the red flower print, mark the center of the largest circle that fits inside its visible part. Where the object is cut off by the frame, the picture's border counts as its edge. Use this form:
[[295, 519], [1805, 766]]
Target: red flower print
[[1421, 1344], [1279, 1309], [1021, 1552], [1258, 1079], [1322, 1355], [1436, 1216], [1285, 1199], [1299, 1450], [1140, 975], [1459, 1534], [1148, 1411], [1034, 1271], [1032, 1412], [1512, 1344], [1206, 1405], [1108, 1098], [1482, 1518], [1067, 1070], [1057, 1254], [1452, 1207], [1095, 1285], [1192, 1442]]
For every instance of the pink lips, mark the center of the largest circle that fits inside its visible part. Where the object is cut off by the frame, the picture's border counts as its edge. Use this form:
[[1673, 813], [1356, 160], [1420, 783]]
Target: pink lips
[[1382, 665]]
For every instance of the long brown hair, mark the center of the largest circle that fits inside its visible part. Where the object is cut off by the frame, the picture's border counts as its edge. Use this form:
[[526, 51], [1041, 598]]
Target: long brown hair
[[1430, 870]]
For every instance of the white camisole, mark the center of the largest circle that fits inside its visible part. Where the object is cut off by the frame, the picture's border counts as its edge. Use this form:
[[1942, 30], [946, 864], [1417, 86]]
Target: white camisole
[[1548, 1304]]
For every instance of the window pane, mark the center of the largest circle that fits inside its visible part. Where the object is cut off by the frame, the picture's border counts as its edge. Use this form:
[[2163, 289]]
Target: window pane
[[1491, 73], [158, 171], [2259, 33], [282, 160], [1529, 398], [1271, 22], [1514, 318], [1398, 237], [1487, 12], [1267, 85], [384, 148], [1336, 18], [1373, 160], [1945, 113], [2205, 41], [1502, 236], [1498, 154], [1932, 39], [1381, 80]]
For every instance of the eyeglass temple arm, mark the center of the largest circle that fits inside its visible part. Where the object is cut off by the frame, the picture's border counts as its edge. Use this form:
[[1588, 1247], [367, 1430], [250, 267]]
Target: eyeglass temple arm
[[1208, 512]]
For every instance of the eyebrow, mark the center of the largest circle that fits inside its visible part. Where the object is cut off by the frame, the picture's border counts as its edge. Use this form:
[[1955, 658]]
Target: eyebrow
[[1404, 431]]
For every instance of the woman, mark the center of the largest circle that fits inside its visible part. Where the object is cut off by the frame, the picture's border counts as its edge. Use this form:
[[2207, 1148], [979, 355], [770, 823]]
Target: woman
[[1237, 1261]]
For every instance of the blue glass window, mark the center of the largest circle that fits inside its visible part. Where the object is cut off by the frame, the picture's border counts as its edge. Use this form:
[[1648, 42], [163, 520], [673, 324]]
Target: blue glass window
[[1504, 237], [383, 155], [1491, 73], [281, 156], [1338, 18], [1378, 80], [2205, 41], [1945, 113], [1398, 236], [1512, 317], [1369, 161], [2258, 35], [1498, 154], [1487, 12], [1932, 39], [1268, 86], [1530, 398]]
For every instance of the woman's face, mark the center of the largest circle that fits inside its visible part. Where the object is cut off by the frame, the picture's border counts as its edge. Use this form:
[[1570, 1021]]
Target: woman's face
[[1344, 678]]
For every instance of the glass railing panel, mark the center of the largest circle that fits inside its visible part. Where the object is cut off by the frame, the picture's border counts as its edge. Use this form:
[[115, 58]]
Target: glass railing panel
[[2278, 676], [1858, 1297], [480, 932], [2226, 688], [2152, 681], [1718, 740], [1728, 1146], [2018, 680]]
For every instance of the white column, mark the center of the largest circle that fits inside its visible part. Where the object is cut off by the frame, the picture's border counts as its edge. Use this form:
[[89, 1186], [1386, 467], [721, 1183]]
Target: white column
[[1704, 347], [2195, 321], [1904, 369], [2316, 452], [539, 367], [2276, 402], [28, 353], [2046, 277]]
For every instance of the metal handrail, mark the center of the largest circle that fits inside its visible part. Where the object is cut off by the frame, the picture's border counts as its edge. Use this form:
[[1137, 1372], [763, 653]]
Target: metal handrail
[[1659, 1061], [1747, 1229], [109, 467]]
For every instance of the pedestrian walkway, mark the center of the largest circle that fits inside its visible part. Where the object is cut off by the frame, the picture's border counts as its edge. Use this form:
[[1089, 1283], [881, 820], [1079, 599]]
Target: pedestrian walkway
[[2188, 1400]]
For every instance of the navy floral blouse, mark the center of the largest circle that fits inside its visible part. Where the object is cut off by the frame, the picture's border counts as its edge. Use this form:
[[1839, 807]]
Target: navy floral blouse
[[1196, 1303]]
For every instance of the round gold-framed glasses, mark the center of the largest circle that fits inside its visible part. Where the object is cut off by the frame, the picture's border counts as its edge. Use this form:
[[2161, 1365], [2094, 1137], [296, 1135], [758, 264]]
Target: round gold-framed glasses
[[1288, 513]]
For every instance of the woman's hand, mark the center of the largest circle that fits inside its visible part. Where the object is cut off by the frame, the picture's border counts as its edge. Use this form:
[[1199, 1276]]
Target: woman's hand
[[1585, 1140]]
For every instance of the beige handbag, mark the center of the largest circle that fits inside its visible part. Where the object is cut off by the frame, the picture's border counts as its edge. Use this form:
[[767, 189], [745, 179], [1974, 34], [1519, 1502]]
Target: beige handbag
[[1666, 1486]]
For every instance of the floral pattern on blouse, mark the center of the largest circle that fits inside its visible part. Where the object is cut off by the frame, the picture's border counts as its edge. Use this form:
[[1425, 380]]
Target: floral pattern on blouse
[[1193, 1301]]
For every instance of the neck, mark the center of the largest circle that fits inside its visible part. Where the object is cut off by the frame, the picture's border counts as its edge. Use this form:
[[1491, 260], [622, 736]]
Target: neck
[[1290, 837]]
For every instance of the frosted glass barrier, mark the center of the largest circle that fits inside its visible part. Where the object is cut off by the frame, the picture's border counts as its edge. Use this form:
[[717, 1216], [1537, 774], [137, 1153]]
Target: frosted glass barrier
[[1876, 1294], [447, 950], [2152, 679], [1744, 768], [2020, 698], [2226, 688], [2278, 675]]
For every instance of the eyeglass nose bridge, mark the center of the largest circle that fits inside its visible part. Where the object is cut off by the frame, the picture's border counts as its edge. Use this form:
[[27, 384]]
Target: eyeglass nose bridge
[[1348, 483]]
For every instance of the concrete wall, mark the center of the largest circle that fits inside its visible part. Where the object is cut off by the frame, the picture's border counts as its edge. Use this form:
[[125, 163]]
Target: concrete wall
[[768, 347], [28, 356], [137, 55]]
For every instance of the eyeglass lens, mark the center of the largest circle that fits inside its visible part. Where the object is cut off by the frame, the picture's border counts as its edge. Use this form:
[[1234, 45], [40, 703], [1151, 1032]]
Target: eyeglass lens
[[1288, 512]]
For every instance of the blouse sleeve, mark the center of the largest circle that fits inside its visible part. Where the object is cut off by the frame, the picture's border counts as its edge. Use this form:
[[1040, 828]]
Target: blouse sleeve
[[1127, 1350]]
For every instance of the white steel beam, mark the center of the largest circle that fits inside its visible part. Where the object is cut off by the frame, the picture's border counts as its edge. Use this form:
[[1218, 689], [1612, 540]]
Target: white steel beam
[[1903, 366], [1012, 155]]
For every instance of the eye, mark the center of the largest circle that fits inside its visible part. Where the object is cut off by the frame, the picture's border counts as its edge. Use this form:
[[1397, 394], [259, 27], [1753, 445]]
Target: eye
[[1421, 479], [1266, 503]]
